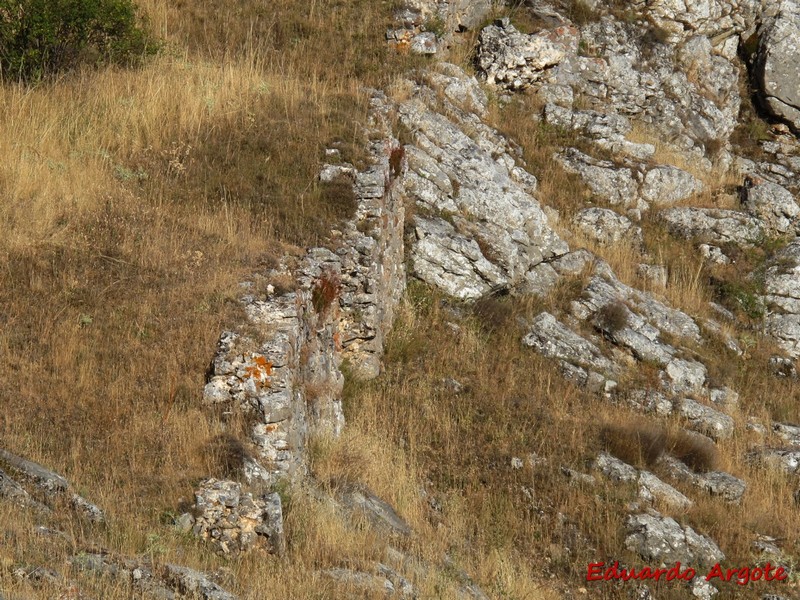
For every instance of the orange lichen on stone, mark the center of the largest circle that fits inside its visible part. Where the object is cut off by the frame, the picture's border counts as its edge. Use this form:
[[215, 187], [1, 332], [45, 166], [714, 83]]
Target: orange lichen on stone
[[260, 370]]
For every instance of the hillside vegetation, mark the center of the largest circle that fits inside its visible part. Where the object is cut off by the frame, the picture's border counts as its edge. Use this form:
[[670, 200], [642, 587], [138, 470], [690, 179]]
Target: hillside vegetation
[[135, 199]]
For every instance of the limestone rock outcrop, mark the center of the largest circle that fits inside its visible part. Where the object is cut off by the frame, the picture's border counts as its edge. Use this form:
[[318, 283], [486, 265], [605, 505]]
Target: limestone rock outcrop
[[775, 69], [658, 538], [486, 230]]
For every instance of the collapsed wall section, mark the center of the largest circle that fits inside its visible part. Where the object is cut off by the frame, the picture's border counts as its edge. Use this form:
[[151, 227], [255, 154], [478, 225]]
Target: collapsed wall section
[[283, 367]]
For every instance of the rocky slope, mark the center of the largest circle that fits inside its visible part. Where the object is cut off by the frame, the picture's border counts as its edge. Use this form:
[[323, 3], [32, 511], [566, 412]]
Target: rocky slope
[[646, 99]]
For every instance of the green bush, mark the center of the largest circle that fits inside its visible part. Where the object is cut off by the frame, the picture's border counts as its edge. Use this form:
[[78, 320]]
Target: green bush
[[44, 37]]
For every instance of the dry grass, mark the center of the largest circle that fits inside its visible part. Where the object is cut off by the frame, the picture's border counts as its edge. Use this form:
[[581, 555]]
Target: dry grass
[[133, 203], [768, 504], [514, 404]]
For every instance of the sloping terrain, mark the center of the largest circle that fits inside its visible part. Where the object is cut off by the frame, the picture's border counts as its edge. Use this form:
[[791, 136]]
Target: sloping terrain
[[504, 292]]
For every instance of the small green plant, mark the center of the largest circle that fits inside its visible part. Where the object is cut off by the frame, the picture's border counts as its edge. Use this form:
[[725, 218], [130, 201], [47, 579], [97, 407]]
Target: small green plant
[[437, 26], [155, 545], [283, 488], [743, 297], [45, 37]]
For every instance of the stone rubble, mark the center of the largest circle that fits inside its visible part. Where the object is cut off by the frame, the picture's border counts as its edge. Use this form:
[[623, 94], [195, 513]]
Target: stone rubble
[[234, 521]]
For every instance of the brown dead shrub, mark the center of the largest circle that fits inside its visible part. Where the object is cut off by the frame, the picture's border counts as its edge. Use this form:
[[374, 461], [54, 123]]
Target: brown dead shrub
[[613, 317], [697, 451], [325, 291], [634, 443]]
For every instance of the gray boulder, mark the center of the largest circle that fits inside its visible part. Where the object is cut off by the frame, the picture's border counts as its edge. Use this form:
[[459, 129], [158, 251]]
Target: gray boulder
[[452, 262], [424, 43], [651, 488], [717, 483], [783, 459], [775, 68], [553, 339], [665, 184], [358, 499], [684, 376], [192, 583], [49, 484], [661, 539], [713, 225], [614, 184], [705, 419], [606, 130], [789, 433], [606, 226], [615, 469], [12, 491], [605, 289], [774, 205]]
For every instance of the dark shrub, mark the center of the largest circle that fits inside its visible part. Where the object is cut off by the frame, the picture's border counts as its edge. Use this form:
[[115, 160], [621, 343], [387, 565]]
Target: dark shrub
[[44, 37], [613, 317], [639, 444], [696, 450]]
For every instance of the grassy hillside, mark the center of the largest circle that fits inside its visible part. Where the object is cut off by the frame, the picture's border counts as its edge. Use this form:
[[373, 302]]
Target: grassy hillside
[[133, 202]]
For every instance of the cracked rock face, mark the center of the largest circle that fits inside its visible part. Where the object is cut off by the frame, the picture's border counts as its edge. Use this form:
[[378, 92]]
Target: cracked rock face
[[553, 339], [782, 298], [705, 419], [615, 73], [487, 229], [452, 262], [606, 227], [774, 205], [661, 539], [632, 184], [775, 68], [713, 225]]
